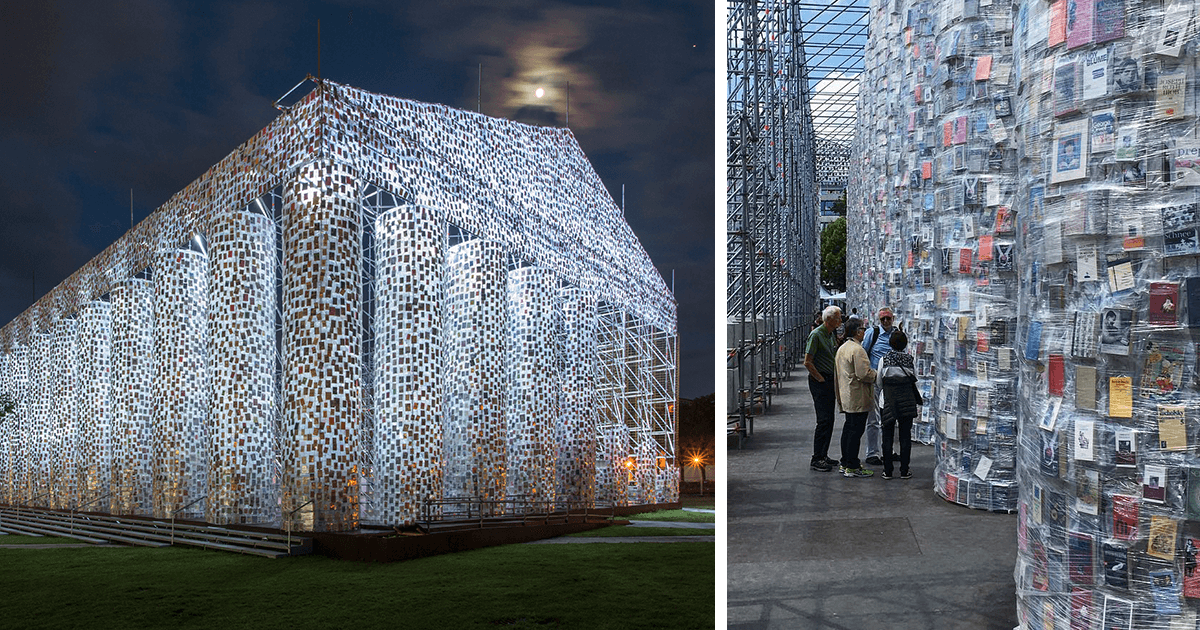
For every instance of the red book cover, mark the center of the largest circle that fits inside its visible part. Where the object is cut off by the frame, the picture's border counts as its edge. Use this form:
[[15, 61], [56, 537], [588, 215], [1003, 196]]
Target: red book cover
[[951, 488], [1081, 609], [947, 133], [964, 260], [1164, 303], [1057, 372], [982, 339], [1125, 517], [985, 247], [926, 170], [983, 68], [960, 130], [1079, 25], [1191, 573], [1058, 23]]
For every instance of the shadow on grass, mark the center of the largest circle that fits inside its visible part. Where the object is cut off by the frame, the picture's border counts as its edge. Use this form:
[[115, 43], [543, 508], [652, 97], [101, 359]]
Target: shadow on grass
[[517, 586]]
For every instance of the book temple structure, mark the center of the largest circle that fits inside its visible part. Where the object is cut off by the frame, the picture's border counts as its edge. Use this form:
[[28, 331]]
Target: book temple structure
[[374, 311], [1028, 198]]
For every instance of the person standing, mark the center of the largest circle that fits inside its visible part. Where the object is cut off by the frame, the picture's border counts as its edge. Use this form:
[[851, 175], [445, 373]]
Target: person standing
[[898, 382], [876, 344], [819, 354], [855, 387]]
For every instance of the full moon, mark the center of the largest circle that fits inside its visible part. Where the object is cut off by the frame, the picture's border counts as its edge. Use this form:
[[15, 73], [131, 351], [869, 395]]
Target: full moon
[[540, 92]]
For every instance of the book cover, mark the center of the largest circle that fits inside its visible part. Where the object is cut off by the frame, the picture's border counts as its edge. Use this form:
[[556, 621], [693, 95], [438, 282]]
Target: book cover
[[1116, 326], [1173, 34], [1109, 22], [1079, 22], [1162, 371], [1087, 492], [1126, 454], [1055, 511], [1001, 105], [1085, 387], [1084, 334], [1191, 573], [1087, 264], [1033, 342], [1118, 613], [1081, 609], [1050, 414], [1116, 564], [1161, 539], [964, 260], [1191, 289], [1126, 70], [960, 130], [1185, 163], [1085, 440], [1070, 154], [1058, 23], [1154, 483], [1057, 374], [1172, 428], [1120, 397], [1049, 453], [1125, 517], [1179, 228], [1127, 146], [1164, 303], [1169, 95], [1095, 74], [1164, 588], [1103, 128], [1120, 275], [983, 68], [1035, 505], [1066, 85], [951, 488], [1192, 506], [1080, 557]]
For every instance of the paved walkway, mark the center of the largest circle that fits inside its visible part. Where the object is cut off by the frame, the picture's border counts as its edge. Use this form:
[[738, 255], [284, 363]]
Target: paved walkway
[[808, 549]]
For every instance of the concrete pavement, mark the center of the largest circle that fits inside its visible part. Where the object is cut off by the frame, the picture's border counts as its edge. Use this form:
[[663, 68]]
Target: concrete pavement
[[810, 549]]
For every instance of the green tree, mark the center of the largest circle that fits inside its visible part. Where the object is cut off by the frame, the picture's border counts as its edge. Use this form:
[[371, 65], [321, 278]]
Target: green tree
[[833, 256]]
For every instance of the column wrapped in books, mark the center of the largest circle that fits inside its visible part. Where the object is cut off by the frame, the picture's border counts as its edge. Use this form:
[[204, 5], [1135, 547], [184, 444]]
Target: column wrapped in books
[[933, 194], [1109, 521]]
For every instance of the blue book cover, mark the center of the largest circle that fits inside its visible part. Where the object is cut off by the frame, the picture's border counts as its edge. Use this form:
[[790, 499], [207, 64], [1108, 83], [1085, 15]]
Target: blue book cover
[[1033, 343], [1164, 586]]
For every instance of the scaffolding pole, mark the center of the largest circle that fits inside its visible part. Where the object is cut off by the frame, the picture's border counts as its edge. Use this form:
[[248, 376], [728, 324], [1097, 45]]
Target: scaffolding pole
[[771, 239]]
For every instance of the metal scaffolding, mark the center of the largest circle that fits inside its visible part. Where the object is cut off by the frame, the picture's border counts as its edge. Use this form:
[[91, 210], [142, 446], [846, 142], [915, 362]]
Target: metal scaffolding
[[771, 238]]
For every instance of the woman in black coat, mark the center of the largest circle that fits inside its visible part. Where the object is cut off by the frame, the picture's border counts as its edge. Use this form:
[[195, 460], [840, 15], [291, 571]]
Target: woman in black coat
[[899, 401]]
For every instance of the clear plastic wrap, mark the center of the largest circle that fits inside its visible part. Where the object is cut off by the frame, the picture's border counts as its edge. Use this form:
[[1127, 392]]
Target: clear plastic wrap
[[1109, 294], [932, 225]]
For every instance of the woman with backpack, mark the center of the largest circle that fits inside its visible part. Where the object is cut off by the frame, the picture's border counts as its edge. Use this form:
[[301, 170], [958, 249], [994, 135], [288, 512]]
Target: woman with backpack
[[897, 380]]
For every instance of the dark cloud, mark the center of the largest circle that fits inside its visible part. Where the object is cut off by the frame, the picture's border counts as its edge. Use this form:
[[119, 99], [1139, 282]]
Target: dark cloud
[[102, 98]]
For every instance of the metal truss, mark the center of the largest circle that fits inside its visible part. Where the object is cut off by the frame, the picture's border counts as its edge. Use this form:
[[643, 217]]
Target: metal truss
[[771, 238]]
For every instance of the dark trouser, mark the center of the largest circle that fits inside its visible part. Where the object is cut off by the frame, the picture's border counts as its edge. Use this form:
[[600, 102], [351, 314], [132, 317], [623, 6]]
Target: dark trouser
[[822, 395], [889, 427], [852, 432]]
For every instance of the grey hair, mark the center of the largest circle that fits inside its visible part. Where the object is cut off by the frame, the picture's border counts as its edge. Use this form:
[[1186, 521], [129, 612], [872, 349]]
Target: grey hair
[[830, 311]]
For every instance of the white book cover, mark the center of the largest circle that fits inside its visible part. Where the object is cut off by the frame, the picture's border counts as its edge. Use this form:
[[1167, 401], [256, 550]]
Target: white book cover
[[1070, 151], [1185, 163], [1088, 265], [1095, 73], [1085, 440], [1170, 97]]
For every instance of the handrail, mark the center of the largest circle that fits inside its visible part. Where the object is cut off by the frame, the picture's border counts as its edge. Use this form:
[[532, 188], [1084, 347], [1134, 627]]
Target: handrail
[[203, 497], [288, 523], [26, 502], [75, 510]]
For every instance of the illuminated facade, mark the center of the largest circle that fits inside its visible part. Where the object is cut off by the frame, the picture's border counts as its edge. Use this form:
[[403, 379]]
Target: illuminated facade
[[372, 307]]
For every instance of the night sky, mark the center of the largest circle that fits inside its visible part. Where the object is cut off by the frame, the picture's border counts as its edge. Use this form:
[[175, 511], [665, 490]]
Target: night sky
[[148, 95]]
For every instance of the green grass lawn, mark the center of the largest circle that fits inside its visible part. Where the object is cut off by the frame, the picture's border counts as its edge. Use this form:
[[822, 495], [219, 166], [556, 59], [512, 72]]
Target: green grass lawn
[[673, 515], [16, 539], [638, 585], [626, 530]]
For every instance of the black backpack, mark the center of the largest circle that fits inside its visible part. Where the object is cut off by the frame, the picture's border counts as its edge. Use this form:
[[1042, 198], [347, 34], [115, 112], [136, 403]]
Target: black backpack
[[874, 338]]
